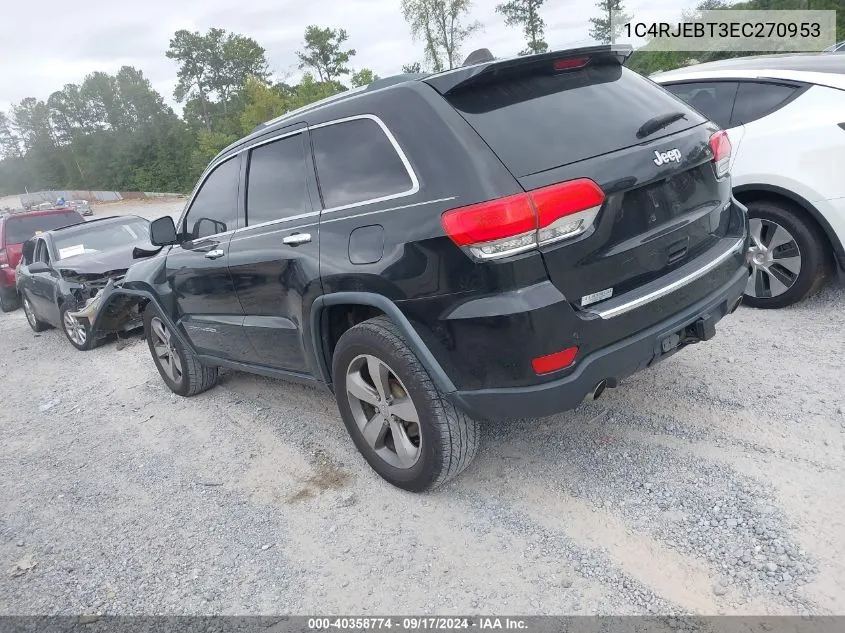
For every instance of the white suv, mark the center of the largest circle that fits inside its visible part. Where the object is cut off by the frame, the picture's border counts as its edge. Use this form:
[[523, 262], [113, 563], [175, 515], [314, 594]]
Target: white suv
[[785, 117]]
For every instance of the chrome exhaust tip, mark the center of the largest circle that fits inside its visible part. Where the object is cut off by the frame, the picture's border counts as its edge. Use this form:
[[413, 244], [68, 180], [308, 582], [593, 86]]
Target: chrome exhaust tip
[[598, 390]]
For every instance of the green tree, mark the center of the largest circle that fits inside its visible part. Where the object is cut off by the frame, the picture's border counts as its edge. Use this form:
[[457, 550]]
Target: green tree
[[310, 91], [261, 104], [31, 121], [68, 115], [240, 58], [139, 103], [439, 24], [208, 146], [322, 52], [602, 29], [414, 68], [9, 146], [526, 13], [100, 101], [214, 65], [363, 77], [194, 55]]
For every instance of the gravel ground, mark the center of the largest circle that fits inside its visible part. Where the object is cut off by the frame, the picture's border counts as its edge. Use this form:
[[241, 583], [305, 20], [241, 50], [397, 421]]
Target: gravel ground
[[712, 483]]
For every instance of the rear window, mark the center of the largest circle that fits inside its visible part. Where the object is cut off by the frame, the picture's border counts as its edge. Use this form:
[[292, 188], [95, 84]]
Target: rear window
[[357, 163], [23, 227], [755, 100], [541, 121]]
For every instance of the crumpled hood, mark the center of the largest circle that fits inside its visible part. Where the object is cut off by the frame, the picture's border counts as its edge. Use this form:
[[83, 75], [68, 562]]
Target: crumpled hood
[[111, 262]]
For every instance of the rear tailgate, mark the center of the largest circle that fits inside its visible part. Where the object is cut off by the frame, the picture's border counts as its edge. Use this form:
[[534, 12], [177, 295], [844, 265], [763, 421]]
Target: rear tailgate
[[646, 150]]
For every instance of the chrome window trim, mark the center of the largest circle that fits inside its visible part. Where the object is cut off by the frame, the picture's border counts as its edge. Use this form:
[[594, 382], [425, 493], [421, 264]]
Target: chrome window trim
[[241, 235], [214, 165], [415, 183], [399, 208], [208, 171], [669, 288], [291, 218]]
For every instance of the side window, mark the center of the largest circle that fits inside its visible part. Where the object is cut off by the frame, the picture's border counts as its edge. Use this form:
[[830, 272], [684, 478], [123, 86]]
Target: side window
[[215, 207], [356, 162], [276, 184], [757, 99], [41, 252], [714, 99]]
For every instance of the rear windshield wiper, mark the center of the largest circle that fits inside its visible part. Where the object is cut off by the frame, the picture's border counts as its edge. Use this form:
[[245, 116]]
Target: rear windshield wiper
[[658, 123]]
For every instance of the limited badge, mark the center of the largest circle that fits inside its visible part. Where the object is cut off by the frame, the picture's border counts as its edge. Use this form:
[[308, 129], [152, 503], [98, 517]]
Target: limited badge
[[596, 297]]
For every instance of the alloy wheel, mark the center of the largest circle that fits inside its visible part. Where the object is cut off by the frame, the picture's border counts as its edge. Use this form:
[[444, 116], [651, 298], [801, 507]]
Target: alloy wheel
[[27, 310], [166, 354], [384, 411], [74, 329], [775, 259]]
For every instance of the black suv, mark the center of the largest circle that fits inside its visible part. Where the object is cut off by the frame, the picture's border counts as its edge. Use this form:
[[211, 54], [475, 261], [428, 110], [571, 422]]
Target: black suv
[[497, 241]]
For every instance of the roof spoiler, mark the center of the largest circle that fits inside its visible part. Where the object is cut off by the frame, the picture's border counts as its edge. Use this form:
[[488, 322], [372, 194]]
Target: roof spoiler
[[484, 70]]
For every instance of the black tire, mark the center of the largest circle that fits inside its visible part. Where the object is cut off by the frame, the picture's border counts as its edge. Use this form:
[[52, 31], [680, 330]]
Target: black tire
[[194, 377], [34, 323], [89, 341], [811, 244], [9, 301], [447, 440]]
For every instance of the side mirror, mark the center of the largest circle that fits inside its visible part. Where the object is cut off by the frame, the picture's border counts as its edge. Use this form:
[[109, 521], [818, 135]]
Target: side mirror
[[38, 267], [163, 231]]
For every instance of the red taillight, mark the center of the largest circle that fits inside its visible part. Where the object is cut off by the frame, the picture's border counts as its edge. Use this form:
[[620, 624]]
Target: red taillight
[[571, 63], [721, 146], [566, 198], [488, 221], [509, 225], [554, 362]]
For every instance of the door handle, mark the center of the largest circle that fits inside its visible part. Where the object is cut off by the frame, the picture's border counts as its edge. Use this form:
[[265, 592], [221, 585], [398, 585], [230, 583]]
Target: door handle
[[215, 254], [297, 238]]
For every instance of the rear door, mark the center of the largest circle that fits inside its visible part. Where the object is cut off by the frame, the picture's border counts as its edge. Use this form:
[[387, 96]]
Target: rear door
[[274, 259], [207, 307], [553, 121]]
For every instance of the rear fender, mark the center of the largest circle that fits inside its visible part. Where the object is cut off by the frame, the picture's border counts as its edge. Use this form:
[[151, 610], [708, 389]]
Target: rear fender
[[434, 369]]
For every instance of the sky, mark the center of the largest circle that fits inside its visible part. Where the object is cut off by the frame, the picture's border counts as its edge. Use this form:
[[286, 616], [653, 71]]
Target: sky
[[48, 43]]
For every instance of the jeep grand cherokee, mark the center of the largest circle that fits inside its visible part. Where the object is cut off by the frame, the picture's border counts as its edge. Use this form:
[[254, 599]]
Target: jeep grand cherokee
[[500, 240]]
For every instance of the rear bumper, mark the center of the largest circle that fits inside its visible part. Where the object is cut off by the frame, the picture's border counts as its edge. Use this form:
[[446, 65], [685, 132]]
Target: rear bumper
[[612, 363]]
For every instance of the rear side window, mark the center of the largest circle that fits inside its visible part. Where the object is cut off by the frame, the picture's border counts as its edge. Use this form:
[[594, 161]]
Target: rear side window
[[276, 184], [23, 227], [42, 254], [356, 163], [541, 121], [755, 100], [215, 207], [714, 99]]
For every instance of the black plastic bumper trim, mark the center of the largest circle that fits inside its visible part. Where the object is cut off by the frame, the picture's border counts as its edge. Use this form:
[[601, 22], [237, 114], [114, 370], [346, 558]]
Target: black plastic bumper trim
[[611, 363]]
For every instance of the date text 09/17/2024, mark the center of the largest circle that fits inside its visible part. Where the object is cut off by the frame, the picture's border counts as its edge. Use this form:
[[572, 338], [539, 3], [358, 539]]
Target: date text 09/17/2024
[[416, 623]]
